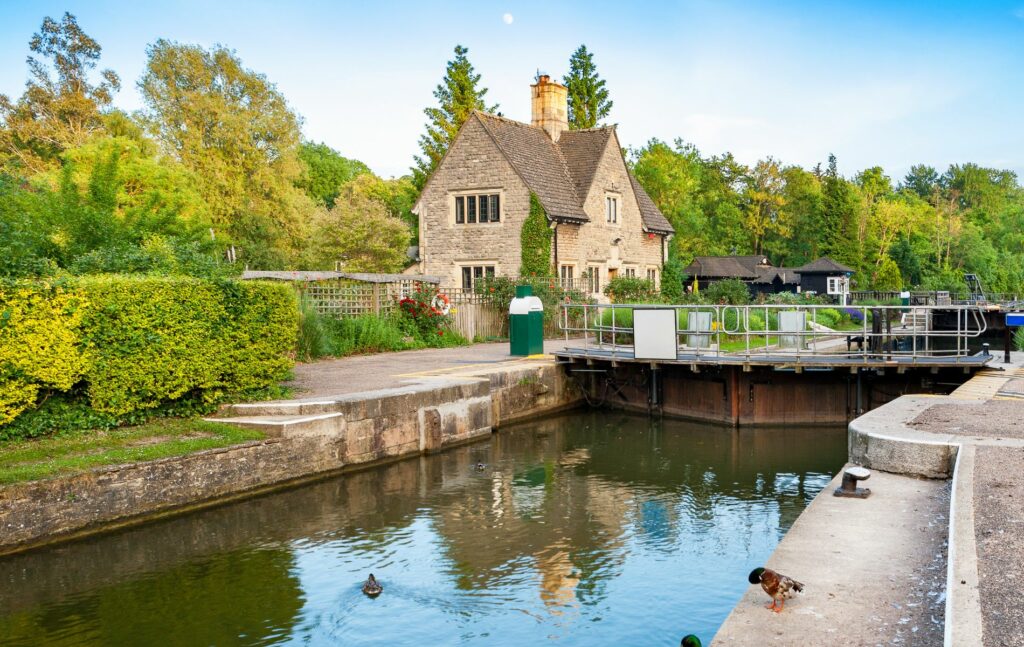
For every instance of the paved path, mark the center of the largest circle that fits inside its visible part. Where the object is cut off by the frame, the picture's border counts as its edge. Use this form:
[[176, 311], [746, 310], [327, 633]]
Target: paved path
[[322, 379]]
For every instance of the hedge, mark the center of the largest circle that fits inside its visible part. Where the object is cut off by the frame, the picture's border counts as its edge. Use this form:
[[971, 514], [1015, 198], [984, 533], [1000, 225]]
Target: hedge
[[131, 344]]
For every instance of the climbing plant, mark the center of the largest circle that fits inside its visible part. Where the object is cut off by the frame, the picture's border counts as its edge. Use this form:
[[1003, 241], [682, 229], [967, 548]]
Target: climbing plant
[[535, 236]]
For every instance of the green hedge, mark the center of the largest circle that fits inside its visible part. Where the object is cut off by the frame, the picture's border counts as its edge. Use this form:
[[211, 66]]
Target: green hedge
[[125, 345]]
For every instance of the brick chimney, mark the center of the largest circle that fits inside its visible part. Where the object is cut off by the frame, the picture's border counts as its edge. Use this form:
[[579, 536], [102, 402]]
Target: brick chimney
[[550, 106]]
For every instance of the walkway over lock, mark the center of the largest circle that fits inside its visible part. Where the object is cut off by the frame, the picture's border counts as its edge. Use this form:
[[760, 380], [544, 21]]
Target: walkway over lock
[[787, 337]]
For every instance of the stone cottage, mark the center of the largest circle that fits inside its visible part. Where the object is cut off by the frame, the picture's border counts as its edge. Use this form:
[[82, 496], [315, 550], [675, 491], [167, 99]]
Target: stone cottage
[[473, 206]]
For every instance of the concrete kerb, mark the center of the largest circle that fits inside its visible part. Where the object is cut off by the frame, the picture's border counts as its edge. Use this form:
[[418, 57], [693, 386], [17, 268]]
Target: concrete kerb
[[882, 440]]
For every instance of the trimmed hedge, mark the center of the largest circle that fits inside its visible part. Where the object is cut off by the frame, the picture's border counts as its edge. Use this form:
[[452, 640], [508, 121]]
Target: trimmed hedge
[[133, 344]]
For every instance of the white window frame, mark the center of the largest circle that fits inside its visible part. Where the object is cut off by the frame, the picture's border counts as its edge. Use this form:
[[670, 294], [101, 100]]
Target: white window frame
[[629, 271], [836, 285], [652, 275], [594, 282], [572, 275]]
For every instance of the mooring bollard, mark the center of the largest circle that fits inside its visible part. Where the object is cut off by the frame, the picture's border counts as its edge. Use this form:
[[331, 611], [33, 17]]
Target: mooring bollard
[[849, 487]]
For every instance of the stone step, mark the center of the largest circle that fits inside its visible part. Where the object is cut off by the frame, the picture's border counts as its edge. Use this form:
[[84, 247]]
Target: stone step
[[289, 426]]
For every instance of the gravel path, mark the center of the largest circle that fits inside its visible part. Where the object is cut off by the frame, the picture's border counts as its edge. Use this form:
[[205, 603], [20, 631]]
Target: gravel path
[[993, 419], [999, 532]]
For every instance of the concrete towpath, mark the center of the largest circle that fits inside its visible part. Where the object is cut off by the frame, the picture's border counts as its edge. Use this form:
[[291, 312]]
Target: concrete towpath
[[358, 373]]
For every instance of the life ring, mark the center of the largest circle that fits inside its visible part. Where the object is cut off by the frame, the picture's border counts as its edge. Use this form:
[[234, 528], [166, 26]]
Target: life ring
[[441, 303]]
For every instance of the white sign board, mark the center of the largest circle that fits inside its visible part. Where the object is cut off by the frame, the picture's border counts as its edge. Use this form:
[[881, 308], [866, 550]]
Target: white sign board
[[654, 333]]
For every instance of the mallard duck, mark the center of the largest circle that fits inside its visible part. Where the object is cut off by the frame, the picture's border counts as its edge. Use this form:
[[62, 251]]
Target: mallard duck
[[372, 587], [777, 585], [480, 467], [690, 641]]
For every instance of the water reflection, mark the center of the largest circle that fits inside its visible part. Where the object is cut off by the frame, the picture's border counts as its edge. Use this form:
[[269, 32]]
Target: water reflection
[[590, 528]]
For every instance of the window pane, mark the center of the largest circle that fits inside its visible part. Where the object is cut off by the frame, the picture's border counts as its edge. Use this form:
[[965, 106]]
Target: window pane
[[489, 271], [478, 272], [471, 208], [467, 278], [608, 209], [484, 204], [495, 208], [460, 210]]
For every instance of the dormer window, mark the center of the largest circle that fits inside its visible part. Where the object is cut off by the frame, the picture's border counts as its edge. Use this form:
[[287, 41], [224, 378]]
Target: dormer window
[[611, 209], [477, 208]]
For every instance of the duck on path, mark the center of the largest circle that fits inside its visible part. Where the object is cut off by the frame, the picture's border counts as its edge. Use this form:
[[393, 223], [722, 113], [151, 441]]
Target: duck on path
[[778, 586]]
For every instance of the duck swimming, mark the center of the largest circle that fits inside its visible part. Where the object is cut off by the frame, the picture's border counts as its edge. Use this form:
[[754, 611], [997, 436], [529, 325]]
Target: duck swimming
[[777, 585], [690, 641], [372, 587]]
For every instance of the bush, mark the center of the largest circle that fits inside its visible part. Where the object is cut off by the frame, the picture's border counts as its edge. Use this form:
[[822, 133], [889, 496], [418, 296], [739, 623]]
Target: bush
[[730, 291], [500, 291], [126, 346], [1018, 339], [629, 289], [829, 317]]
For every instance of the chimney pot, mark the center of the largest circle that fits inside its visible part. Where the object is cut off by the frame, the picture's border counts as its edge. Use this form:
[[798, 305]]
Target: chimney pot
[[550, 106]]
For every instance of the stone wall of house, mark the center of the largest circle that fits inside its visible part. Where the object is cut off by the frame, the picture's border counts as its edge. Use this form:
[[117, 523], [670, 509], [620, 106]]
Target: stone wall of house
[[473, 163], [592, 243]]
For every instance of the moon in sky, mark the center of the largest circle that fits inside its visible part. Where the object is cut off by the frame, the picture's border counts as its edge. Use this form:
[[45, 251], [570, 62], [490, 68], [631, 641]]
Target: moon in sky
[[508, 18]]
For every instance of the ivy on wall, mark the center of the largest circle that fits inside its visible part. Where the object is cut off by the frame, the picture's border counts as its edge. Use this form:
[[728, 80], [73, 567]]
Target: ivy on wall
[[535, 237]]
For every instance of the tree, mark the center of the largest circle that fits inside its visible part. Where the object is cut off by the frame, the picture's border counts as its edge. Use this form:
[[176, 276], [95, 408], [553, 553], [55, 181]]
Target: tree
[[887, 277], [358, 232], [233, 129], [325, 171], [458, 95], [61, 108], [839, 211], [764, 200], [922, 180], [588, 98]]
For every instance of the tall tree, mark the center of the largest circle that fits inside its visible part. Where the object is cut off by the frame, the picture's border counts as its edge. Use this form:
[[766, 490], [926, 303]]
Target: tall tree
[[235, 131], [764, 200], [922, 180], [326, 171], [61, 108], [458, 95], [839, 217], [588, 98]]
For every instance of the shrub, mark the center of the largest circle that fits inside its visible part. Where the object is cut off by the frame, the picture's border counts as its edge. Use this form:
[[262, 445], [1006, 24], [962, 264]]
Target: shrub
[[629, 289], [39, 334], [420, 319], [730, 291], [828, 317], [1018, 339], [126, 346]]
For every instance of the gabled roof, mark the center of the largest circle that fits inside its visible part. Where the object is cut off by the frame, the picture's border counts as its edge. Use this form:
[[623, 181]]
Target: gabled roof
[[561, 174], [539, 162], [582, 151], [786, 275], [824, 265], [719, 266]]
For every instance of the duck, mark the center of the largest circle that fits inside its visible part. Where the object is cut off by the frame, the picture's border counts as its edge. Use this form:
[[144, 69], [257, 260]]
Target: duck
[[690, 641], [372, 587], [480, 467], [780, 587]]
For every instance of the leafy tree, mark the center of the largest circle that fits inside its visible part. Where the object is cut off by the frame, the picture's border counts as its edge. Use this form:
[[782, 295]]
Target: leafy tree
[[887, 277], [231, 127], [458, 95], [922, 180], [839, 214], [764, 200], [908, 261], [358, 232], [588, 98], [535, 238], [61, 108], [398, 195], [325, 171], [802, 208]]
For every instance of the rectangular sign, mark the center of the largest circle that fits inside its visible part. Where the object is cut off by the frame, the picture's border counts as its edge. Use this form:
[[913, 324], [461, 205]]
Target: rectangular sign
[[1015, 318], [654, 333]]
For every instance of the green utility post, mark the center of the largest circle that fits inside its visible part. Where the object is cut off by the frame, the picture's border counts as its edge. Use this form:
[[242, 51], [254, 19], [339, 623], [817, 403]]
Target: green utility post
[[526, 323]]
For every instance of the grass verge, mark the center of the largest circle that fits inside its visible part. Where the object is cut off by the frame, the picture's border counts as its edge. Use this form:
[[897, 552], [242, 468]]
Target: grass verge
[[30, 460]]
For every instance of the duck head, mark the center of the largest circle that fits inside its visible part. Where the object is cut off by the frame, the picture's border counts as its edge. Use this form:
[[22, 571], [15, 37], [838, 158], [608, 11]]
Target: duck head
[[755, 575], [690, 641]]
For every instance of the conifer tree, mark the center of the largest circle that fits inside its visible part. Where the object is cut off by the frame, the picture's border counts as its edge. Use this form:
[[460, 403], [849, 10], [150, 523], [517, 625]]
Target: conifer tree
[[458, 95], [588, 98]]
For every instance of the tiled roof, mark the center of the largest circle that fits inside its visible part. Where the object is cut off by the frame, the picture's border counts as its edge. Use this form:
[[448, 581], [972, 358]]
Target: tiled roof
[[582, 151], [753, 263], [719, 266], [539, 162], [561, 174], [823, 265], [652, 216], [785, 274]]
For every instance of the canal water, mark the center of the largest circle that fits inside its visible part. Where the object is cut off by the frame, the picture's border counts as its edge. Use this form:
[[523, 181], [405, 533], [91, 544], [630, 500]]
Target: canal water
[[591, 528]]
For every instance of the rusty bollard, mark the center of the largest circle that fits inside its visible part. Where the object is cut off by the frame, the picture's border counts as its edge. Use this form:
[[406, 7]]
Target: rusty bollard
[[849, 487]]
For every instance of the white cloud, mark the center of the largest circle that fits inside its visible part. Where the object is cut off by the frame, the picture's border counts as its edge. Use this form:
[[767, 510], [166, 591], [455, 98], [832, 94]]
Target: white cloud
[[508, 18]]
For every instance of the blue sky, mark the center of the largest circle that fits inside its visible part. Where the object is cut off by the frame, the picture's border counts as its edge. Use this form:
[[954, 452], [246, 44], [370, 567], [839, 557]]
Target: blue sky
[[873, 82]]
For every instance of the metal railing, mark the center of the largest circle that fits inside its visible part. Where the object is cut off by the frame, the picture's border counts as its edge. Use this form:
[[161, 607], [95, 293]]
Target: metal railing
[[766, 331]]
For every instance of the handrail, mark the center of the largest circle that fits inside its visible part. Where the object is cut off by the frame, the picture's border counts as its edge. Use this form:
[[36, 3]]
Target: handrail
[[755, 330]]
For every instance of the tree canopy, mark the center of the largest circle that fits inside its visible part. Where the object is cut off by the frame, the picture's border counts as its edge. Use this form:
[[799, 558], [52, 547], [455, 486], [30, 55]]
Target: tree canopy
[[588, 98], [458, 95]]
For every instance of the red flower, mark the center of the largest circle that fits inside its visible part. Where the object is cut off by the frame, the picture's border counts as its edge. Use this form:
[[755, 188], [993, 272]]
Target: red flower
[[492, 289], [440, 332]]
